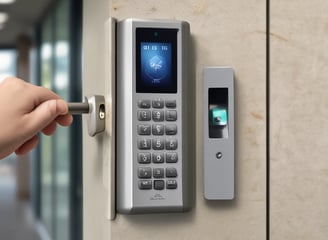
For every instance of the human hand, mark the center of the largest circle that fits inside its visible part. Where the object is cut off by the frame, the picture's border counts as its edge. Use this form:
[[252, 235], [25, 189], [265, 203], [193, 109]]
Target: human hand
[[25, 110]]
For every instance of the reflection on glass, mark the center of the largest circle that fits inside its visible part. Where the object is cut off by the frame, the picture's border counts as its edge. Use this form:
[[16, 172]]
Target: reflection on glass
[[62, 136], [62, 67], [7, 63], [46, 142]]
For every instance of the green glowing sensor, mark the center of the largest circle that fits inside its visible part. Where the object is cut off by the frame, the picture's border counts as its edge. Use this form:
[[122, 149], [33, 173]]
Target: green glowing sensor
[[218, 117]]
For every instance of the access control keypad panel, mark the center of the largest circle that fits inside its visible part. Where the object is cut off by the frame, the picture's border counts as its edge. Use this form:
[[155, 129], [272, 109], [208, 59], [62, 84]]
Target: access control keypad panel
[[157, 144], [154, 128]]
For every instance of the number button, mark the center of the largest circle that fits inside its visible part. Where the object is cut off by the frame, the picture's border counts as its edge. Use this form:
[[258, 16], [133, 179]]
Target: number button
[[171, 144], [144, 129], [158, 157], [159, 184], [158, 115], [144, 172], [143, 158], [158, 129], [158, 172], [171, 172], [158, 144], [144, 143], [144, 115], [171, 157]]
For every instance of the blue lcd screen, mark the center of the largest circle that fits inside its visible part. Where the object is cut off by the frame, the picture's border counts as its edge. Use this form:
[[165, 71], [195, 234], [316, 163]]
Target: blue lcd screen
[[156, 61]]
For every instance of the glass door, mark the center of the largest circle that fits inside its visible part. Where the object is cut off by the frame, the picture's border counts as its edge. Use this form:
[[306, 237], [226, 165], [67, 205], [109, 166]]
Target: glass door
[[62, 136], [60, 71]]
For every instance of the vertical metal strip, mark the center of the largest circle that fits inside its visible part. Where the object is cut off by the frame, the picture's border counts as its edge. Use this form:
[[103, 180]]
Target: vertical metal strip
[[268, 119]]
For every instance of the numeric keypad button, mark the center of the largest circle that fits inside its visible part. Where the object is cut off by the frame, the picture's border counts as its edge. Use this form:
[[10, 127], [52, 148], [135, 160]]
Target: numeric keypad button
[[159, 184], [158, 157], [158, 115], [145, 184], [171, 184], [144, 144], [158, 172], [158, 143], [158, 103], [144, 115], [144, 158], [158, 129], [144, 129], [171, 129], [171, 115], [171, 172], [171, 144], [170, 103], [144, 172], [171, 157], [144, 103]]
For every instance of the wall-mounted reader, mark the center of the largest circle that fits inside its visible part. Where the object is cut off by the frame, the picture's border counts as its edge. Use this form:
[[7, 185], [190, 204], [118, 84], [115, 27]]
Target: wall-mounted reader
[[153, 117], [218, 133]]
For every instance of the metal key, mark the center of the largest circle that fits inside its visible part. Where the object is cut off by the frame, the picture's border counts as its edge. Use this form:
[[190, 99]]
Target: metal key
[[76, 108]]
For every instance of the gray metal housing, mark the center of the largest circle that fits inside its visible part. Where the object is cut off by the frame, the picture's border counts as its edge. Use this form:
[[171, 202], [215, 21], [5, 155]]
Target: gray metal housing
[[219, 172], [130, 199]]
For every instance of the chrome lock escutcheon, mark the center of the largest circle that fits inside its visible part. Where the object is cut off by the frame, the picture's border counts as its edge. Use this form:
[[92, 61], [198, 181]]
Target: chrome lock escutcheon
[[94, 106]]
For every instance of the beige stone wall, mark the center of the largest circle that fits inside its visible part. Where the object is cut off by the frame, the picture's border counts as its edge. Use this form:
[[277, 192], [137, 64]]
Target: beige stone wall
[[299, 125]]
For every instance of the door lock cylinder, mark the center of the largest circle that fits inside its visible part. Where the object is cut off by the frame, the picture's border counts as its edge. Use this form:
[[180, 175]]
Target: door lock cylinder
[[95, 107]]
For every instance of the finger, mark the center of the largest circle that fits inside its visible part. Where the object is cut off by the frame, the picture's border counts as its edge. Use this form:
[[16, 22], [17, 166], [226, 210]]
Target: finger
[[65, 120], [42, 94], [50, 129], [44, 114], [28, 145]]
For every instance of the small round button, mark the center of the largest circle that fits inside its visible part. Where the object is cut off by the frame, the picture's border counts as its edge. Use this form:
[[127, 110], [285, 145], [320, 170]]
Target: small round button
[[218, 155]]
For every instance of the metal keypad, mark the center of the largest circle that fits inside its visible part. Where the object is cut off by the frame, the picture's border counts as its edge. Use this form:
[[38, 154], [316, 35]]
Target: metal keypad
[[157, 144]]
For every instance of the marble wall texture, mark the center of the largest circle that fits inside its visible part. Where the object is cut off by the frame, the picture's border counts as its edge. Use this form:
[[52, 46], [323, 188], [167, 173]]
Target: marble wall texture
[[298, 120]]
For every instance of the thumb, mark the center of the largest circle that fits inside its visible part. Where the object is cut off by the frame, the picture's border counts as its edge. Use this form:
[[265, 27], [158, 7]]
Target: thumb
[[45, 113]]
